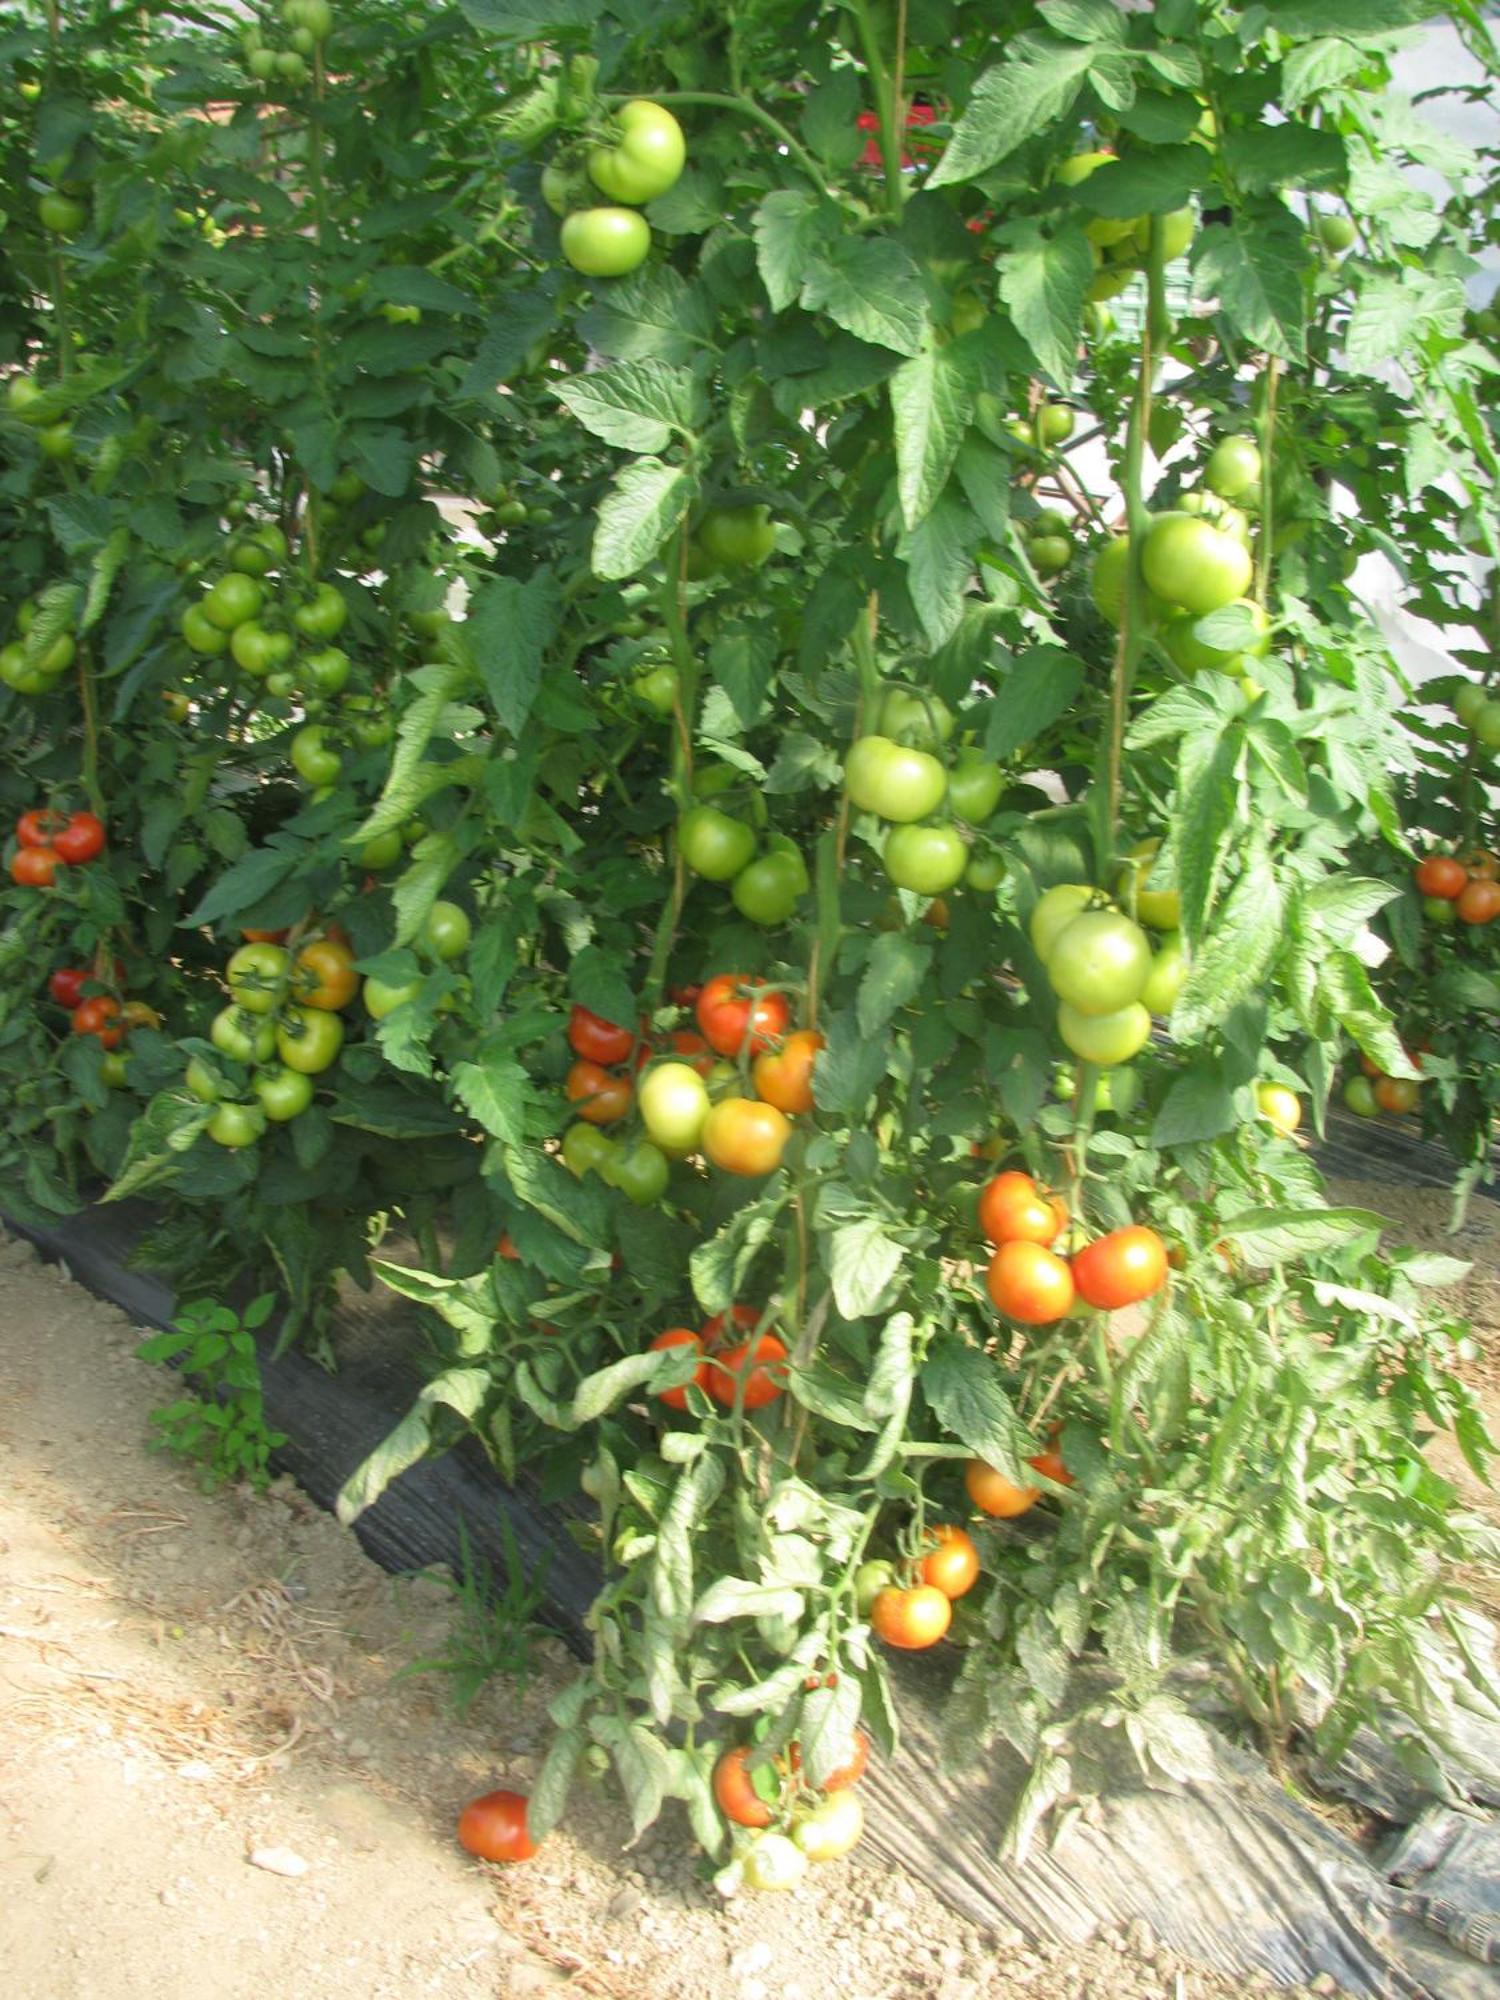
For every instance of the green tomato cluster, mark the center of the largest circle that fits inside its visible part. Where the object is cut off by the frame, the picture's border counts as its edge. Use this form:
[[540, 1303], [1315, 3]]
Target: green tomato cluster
[[267, 1031], [1120, 243], [645, 160], [765, 886], [309, 24], [1478, 711], [40, 653], [897, 773], [1107, 979], [1049, 541]]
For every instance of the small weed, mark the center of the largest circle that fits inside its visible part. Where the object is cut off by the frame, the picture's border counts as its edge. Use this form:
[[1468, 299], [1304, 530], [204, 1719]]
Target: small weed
[[223, 1427], [497, 1621]]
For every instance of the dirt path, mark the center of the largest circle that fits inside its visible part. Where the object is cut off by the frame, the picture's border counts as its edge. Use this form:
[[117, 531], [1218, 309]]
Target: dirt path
[[189, 1681]]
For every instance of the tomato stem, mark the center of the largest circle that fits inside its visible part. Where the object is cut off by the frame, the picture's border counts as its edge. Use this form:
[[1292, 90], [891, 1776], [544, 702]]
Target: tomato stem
[[744, 107], [1266, 427]]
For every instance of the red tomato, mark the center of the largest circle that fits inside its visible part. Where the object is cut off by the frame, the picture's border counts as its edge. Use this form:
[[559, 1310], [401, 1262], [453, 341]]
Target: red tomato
[[783, 1076], [598, 1040], [506, 1248], [39, 827], [1050, 1465], [1029, 1283], [33, 867], [729, 1017], [1012, 1209], [1479, 901], [735, 1793], [1440, 875], [693, 1050], [1120, 1269], [66, 984], [93, 1017], [953, 1565], [681, 1336], [494, 1828], [1396, 1094], [994, 1494], [82, 839], [600, 1097], [742, 1317], [911, 1619], [752, 1363]]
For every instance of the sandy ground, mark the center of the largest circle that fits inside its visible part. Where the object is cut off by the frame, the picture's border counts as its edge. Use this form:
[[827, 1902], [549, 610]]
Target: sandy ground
[[193, 1686]]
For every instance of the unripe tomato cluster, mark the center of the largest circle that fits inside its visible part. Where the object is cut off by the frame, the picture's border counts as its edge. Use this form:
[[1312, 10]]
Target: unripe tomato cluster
[[282, 1025], [1459, 891], [790, 1823], [764, 887], [897, 773], [38, 658], [1029, 1282], [1479, 712], [309, 23], [48, 840], [1120, 243], [1100, 964], [645, 160], [1049, 541]]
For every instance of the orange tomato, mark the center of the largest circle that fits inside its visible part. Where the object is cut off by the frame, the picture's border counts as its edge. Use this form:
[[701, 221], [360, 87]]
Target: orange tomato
[[1012, 1209], [995, 1495], [1440, 875], [681, 1336], [1479, 901], [1050, 1465], [783, 1076], [1028, 1283], [324, 975], [1120, 1269], [1396, 1094], [751, 1363], [911, 1620], [734, 1791], [731, 1015], [953, 1565], [601, 1098], [743, 1136]]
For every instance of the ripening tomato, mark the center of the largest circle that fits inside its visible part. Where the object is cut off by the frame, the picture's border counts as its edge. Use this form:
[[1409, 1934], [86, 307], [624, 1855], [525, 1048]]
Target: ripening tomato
[[731, 1014], [911, 1620], [1050, 1465], [828, 1830], [1359, 1097], [1478, 902], [995, 1495], [1279, 1107], [601, 1098], [784, 1076], [674, 1105], [859, 1757], [33, 867], [598, 1040], [751, 1371], [953, 1565], [772, 1862], [680, 1336], [735, 1791], [1013, 1210], [494, 1828], [100, 1016], [324, 976], [1396, 1094], [1028, 1283], [741, 1135], [1441, 875], [1120, 1269]]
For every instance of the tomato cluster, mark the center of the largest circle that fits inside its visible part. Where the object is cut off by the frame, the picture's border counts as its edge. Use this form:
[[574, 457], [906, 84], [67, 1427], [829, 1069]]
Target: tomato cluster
[[1370, 1091], [790, 1822], [897, 773], [1029, 1282], [1478, 711], [1100, 964], [48, 840], [765, 887], [1464, 891], [745, 1374], [35, 661], [645, 159]]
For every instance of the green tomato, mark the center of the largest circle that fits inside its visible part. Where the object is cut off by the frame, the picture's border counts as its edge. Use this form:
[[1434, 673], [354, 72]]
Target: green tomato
[[324, 615], [261, 64], [713, 844], [1487, 724], [586, 1150], [17, 672], [648, 159], [922, 720], [657, 688], [1193, 564], [1336, 232], [1107, 578], [769, 889], [258, 976], [1055, 910], [1056, 422], [311, 759], [56, 441], [673, 1100], [985, 873], [22, 394], [1050, 554], [382, 998], [737, 537], [1160, 908], [869, 1580], [774, 1862], [1233, 468], [1467, 703], [893, 782], [283, 1094], [1105, 1039], [974, 787], [326, 672], [203, 1083], [282, 683], [243, 1037], [347, 487], [308, 1039], [1119, 1091], [258, 651], [1166, 978], [232, 600], [559, 189], [510, 513], [60, 215], [606, 242], [1359, 1097], [1178, 228], [383, 851], [1195, 655], [927, 860], [114, 1069], [1438, 910], [1099, 963], [640, 1172], [446, 931], [236, 1125]]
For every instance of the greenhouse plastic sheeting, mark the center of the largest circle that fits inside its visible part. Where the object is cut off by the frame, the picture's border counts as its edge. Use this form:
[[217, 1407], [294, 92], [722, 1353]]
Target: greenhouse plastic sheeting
[[1235, 1873]]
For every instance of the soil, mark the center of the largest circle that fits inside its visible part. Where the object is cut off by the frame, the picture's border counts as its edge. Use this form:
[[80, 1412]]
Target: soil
[[213, 1766]]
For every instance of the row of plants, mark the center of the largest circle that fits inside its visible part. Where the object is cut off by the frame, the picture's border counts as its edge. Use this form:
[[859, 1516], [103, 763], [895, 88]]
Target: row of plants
[[780, 774]]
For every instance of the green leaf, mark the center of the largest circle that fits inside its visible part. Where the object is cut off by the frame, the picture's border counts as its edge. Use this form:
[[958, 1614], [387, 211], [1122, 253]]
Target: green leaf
[[1084, 20], [1234, 957], [600, 1392], [939, 567], [432, 862], [1198, 1106], [159, 1139], [862, 1261], [549, 1795], [1262, 157], [825, 1728], [734, 1597], [932, 403], [496, 1091], [871, 287], [572, 1206], [850, 1068], [645, 504], [893, 977], [248, 882], [829, 119], [511, 335], [1145, 183], [510, 625], [1038, 81], [1253, 266], [1273, 1236], [462, 1303], [654, 312], [597, 981], [459, 1389], [965, 1394], [1041, 687], [792, 228], [637, 406], [1392, 313], [1044, 281]]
